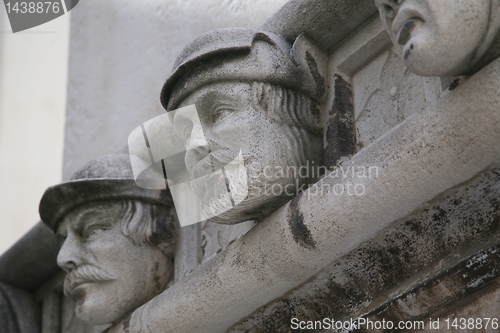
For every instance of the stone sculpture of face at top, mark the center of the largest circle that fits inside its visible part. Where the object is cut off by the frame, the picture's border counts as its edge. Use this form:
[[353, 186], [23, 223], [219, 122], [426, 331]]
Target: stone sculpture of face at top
[[117, 240], [256, 97], [442, 37]]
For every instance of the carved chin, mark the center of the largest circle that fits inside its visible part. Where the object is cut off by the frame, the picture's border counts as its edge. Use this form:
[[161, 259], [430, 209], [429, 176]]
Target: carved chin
[[91, 313], [425, 55], [225, 199], [83, 312], [78, 296], [255, 204], [86, 312], [92, 309]]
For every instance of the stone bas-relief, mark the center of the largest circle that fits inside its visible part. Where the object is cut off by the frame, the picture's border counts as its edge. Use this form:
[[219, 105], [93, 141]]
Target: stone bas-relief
[[117, 240], [385, 94], [443, 38], [258, 97]]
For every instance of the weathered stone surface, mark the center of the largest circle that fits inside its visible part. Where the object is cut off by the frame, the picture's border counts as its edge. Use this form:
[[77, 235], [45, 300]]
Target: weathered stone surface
[[340, 127], [441, 297], [385, 94], [215, 237], [421, 248], [481, 305], [327, 22]]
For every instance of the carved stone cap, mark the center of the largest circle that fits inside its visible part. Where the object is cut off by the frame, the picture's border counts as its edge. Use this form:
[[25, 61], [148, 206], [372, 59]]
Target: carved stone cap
[[104, 178], [242, 55]]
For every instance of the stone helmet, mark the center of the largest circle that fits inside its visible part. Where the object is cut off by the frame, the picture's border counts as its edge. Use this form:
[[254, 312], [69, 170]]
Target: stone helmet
[[246, 55], [104, 178]]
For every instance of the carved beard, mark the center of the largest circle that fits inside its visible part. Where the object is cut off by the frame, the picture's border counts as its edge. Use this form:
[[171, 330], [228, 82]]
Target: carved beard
[[225, 191], [247, 194]]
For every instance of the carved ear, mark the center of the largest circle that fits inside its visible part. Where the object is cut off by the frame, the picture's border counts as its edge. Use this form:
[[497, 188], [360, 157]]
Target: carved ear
[[315, 63]]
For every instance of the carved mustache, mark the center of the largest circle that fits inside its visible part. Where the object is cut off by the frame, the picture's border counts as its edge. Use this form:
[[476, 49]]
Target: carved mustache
[[83, 274], [213, 162]]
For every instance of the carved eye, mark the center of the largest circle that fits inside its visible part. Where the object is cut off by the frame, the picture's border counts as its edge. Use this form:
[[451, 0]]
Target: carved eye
[[94, 232], [222, 113]]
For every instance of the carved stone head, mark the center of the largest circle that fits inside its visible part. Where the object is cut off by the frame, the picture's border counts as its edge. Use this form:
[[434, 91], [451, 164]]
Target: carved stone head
[[256, 95], [443, 37], [117, 240]]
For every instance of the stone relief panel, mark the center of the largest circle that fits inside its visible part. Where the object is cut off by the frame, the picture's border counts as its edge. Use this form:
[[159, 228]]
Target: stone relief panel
[[385, 93]]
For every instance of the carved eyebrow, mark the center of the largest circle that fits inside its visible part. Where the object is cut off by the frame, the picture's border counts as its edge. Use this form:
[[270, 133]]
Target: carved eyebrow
[[87, 218], [209, 101], [216, 95]]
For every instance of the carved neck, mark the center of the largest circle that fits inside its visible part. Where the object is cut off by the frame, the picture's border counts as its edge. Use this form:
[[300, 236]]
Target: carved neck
[[491, 54], [490, 48]]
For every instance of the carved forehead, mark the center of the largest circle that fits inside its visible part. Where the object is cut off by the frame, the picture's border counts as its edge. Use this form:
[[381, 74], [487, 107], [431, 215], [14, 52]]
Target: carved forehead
[[107, 211], [221, 91]]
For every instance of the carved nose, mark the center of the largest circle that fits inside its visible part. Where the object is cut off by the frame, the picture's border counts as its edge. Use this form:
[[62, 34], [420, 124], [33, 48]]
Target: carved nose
[[406, 30], [68, 257], [195, 155], [197, 138]]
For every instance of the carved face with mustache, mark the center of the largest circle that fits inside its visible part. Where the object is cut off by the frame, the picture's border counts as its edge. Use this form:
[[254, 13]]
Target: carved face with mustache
[[230, 134], [440, 37], [108, 275]]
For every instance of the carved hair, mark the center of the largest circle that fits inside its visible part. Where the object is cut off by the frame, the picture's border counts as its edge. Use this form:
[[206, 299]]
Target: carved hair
[[287, 106], [301, 115], [152, 224]]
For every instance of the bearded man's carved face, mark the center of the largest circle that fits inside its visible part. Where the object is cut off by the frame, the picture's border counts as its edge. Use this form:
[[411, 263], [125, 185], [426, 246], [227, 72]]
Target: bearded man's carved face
[[234, 125], [108, 274]]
